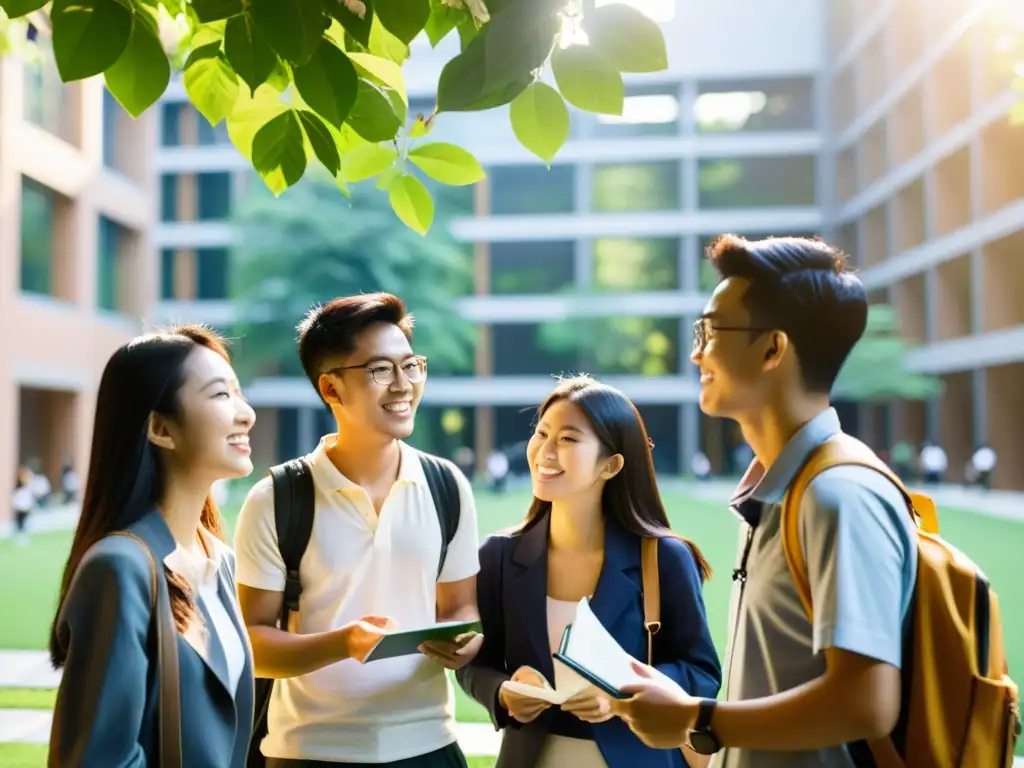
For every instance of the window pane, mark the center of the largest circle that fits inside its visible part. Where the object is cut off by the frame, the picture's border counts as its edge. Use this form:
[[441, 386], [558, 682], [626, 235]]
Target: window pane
[[639, 187], [209, 135], [643, 346], [45, 94], [631, 264], [107, 265], [36, 238], [212, 278], [170, 125], [532, 267], [110, 118], [755, 182], [648, 112], [755, 105], [522, 350], [169, 197], [214, 195], [167, 259], [532, 189]]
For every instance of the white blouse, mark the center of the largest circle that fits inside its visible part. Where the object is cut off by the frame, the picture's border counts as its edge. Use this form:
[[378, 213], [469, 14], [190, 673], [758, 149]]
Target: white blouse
[[202, 573]]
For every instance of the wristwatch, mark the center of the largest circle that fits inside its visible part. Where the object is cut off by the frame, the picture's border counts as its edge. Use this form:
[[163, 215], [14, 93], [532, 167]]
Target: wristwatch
[[703, 740]]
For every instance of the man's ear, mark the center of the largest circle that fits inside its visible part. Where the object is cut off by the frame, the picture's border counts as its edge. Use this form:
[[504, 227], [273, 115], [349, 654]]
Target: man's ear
[[158, 433], [613, 466], [329, 390], [778, 346]]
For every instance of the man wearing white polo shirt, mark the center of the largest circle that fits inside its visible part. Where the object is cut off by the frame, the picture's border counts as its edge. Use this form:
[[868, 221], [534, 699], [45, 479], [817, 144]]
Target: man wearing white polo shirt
[[372, 560]]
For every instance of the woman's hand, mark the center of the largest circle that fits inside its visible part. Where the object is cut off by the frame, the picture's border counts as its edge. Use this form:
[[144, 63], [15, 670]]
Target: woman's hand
[[523, 708], [589, 705]]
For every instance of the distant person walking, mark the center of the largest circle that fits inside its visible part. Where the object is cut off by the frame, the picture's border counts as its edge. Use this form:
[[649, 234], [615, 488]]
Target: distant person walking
[[497, 470], [981, 466], [23, 503], [934, 463]]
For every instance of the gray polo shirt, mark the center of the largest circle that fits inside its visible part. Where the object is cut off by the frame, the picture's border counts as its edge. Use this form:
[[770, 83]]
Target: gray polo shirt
[[861, 556]]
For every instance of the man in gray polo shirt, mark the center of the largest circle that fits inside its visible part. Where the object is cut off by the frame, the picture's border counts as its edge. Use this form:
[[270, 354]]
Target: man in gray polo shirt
[[770, 345]]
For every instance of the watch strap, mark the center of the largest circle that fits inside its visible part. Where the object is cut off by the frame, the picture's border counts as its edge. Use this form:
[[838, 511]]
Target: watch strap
[[705, 710]]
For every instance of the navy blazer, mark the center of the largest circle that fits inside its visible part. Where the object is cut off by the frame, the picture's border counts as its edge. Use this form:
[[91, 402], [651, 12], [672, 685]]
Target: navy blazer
[[512, 595], [106, 712]]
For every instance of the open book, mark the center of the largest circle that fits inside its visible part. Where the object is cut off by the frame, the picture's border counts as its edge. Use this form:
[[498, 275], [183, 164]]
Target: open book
[[547, 693], [407, 642], [590, 651]]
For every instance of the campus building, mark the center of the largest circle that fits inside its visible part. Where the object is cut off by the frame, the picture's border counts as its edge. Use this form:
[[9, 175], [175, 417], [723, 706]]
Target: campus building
[[778, 118], [77, 207], [928, 192]]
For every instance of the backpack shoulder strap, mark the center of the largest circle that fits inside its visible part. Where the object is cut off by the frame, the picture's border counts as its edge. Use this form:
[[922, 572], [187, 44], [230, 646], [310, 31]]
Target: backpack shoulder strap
[[444, 490], [842, 449], [294, 507]]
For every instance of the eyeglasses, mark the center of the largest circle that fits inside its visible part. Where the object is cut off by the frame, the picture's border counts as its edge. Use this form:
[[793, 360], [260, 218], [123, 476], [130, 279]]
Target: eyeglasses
[[702, 329], [384, 373]]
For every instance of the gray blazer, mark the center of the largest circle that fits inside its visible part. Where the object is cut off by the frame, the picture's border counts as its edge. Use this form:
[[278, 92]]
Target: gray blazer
[[106, 712]]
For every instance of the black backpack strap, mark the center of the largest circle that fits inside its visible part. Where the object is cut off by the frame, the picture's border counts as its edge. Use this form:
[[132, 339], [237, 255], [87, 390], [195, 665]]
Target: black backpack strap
[[444, 489], [294, 506]]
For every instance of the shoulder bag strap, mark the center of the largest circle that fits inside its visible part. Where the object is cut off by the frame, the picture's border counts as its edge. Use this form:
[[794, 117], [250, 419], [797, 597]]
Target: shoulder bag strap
[[167, 675]]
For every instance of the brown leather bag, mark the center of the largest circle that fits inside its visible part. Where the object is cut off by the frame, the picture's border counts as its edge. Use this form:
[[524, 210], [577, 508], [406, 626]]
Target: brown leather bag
[[652, 623]]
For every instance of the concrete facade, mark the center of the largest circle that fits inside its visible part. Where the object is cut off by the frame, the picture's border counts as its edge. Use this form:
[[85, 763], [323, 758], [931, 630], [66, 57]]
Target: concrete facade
[[77, 277], [929, 194]]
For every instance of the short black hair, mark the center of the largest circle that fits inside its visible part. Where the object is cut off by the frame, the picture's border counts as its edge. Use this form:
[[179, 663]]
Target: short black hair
[[804, 287], [329, 330]]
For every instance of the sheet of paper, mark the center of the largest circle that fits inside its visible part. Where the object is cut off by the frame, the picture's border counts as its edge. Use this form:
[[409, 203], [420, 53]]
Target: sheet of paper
[[549, 695], [592, 647]]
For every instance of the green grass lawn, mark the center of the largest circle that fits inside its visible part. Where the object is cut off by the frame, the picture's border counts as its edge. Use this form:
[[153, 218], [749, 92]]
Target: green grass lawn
[[30, 576]]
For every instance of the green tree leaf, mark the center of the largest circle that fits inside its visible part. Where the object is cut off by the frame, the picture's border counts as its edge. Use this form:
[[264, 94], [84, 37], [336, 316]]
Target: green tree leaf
[[328, 83], [626, 38], [411, 201], [358, 27], [211, 84], [383, 43], [587, 81], [248, 51], [387, 178], [320, 138], [403, 18], [366, 161], [373, 115], [447, 163], [89, 36], [140, 76], [540, 120], [499, 62], [215, 10], [380, 70], [278, 153], [250, 114], [443, 19], [293, 28], [17, 8]]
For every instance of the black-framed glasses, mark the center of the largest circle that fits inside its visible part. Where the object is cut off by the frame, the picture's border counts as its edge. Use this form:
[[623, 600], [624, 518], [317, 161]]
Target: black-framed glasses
[[385, 372], [703, 328]]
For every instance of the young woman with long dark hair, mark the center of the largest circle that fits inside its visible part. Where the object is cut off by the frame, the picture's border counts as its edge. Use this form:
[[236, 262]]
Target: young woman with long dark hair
[[170, 421], [595, 500]]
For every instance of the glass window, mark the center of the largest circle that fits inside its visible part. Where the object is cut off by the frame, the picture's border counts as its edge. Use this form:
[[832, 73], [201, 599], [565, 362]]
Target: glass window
[[642, 346], [209, 135], [755, 105], [169, 197], [632, 264], [646, 112], [212, 273], [167, 259], [524, 350], [170, 124], [637, 187], [111, 115], [37, 221], [45, 93], [532, 267], [107, 277], [532, 189], [214, 196], [756, 182]]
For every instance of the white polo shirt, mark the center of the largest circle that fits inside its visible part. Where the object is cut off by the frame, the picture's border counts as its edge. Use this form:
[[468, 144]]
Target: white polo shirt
[[357, 564]]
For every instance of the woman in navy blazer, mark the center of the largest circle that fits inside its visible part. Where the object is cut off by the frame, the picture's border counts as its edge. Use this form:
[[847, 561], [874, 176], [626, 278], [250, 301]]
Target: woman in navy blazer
[[170, 421], [595, 499]]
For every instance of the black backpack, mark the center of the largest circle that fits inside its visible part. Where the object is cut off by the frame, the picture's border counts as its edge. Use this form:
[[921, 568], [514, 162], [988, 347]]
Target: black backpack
[[294, 505]]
